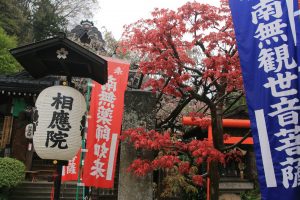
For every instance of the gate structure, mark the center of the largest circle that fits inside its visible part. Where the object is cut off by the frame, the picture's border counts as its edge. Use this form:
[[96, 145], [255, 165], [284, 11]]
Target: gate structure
[[229, 123]]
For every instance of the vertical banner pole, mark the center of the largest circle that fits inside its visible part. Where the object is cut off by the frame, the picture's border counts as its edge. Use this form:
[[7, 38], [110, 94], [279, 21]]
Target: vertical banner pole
[[57, 180], [87, 96]]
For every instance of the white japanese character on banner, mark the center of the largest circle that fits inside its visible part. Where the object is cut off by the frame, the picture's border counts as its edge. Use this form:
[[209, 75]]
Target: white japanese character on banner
[[97, 148], [282, 54], [284, 132], [289, 143], [104, 150], [97, 169], [290, 161], [71, 168], [292, 151], [288, 175], [284, 105], [102, 132], [118, 71], [290, 117], [111, 84], [100, 150], [107, 98], [282, 83], [271, 30], [265, 9], [104, 115], [266, 60]]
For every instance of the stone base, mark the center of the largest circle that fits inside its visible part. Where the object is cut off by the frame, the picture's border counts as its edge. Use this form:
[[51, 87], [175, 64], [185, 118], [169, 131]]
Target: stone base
[[230, 196]]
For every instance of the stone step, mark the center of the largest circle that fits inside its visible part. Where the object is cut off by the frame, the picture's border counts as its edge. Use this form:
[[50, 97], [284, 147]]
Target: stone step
[[20, 190], [35, 184], [29, 197], [42, 190], [235, 184]]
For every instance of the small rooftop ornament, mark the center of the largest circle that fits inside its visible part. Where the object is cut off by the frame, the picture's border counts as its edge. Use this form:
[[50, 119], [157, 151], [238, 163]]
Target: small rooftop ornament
[[62, 53], [88, 35]]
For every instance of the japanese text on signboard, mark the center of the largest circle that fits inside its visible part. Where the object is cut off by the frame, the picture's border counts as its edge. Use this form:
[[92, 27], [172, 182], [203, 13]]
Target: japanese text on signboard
[[275, 60], [60, 121], [105, 111]]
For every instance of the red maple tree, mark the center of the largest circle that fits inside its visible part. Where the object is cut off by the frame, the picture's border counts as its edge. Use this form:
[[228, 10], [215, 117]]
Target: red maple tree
[[190, 59]]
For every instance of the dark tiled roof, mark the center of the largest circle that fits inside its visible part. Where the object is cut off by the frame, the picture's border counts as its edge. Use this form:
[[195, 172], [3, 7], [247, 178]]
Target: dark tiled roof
[[61, 56], [23, 82]]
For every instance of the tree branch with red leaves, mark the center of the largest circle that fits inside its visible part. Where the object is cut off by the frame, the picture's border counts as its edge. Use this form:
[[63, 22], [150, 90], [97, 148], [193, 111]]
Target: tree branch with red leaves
[[189, 59]]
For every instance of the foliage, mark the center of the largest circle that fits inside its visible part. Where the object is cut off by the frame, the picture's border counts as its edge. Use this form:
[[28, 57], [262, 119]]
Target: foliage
[[111, 44], [33, 20], [12, 172], [181, 160], [7, 63], [235, 155], [190, 60], [252, 194], [74, 10], [235, 101], [46, 22], [113, 49], [13, 20], [172, 152]]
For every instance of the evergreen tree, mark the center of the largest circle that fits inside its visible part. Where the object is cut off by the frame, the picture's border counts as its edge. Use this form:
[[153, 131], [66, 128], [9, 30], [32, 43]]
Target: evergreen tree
[[14, 19], [34, 20], [46, 22], [7, 63]]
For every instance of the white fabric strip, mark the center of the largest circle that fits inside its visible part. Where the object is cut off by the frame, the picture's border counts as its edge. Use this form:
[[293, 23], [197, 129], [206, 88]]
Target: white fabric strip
[[265, 149], [113, 147], [290, 7]]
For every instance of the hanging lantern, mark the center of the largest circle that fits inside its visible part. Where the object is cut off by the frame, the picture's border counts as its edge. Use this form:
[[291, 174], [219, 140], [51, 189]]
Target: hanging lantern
[[29, 131], [58, 115]]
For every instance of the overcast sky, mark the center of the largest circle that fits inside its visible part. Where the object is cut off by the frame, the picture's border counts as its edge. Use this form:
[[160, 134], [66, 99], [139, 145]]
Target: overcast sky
[[113, 14]]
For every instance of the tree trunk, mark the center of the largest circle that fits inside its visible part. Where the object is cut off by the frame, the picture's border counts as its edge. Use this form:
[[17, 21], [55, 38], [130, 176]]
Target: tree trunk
[[217, 129], [214, 180], [218, 142]]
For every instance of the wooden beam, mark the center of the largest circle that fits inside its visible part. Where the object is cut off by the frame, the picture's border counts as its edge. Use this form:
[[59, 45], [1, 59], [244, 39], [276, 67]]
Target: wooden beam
[[233, 140], [232, 123], [229, 123]]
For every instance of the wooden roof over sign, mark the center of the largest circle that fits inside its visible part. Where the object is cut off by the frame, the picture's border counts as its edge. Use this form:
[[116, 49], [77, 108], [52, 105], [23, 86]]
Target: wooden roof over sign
[[61, 56]]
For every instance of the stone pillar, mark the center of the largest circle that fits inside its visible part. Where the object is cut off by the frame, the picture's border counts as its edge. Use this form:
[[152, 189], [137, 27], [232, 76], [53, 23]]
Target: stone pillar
[[138, 111]]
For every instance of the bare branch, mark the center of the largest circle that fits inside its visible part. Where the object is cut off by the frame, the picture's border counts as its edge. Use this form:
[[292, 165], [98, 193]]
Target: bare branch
[[233, 103], [176, 111]]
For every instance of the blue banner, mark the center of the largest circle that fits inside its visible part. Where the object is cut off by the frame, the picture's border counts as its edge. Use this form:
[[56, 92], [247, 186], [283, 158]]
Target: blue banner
[[267, 33]]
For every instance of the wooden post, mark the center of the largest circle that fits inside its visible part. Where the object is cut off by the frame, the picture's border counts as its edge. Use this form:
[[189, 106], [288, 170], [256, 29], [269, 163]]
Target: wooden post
[[57, 180]]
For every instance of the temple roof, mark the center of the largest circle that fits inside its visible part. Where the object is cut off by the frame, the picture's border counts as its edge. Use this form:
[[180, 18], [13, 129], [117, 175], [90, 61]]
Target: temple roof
[[23, 83], [61, 56]]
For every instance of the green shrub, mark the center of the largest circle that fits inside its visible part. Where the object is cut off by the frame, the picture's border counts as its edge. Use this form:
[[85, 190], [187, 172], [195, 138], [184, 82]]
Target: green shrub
[[12, 172], [252, 194]]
